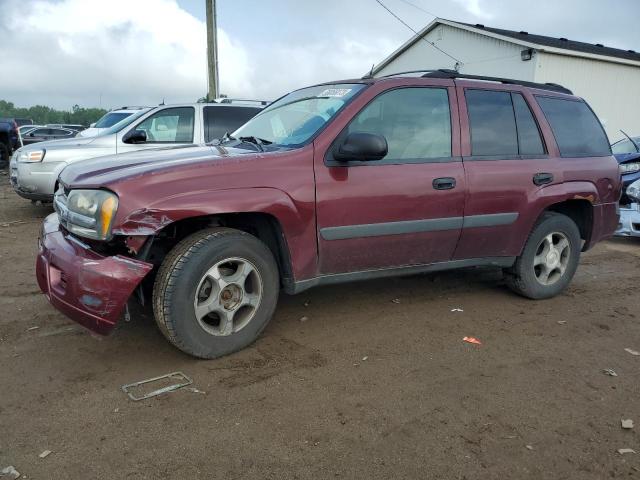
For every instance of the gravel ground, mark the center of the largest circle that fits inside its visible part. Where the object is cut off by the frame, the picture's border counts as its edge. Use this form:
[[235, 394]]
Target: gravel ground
[[376, 383]]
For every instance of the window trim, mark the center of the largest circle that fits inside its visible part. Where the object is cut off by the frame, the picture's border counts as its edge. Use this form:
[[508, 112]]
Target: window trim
[[577, 100], [506, 156], [329, 161], [154, 142]]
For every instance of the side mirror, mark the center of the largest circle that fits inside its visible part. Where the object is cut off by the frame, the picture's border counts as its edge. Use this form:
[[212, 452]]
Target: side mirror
[[135, 136], [91, 125], [362, 147]]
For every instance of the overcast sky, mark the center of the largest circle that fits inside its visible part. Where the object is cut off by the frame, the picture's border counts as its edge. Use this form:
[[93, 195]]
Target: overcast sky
[[139, 52]]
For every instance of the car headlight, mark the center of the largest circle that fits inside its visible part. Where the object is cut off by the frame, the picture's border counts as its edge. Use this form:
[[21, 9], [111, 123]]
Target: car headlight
[[633, 191], [31, 156], [88, 213], [632, 167]]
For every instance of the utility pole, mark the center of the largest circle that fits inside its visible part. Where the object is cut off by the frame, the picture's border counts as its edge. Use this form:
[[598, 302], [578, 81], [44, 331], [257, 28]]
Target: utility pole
[[212, 51]]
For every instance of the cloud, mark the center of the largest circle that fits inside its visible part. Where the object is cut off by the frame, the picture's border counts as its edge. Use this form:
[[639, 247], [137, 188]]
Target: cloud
[[145, 51], [63, 52], [474, 8], [135, 52]]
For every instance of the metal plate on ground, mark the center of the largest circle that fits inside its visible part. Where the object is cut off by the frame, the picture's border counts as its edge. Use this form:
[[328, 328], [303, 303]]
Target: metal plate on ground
[[180, 379]]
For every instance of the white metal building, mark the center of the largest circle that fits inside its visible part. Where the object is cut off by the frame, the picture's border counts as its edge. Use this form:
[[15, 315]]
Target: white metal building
[[608, 78]]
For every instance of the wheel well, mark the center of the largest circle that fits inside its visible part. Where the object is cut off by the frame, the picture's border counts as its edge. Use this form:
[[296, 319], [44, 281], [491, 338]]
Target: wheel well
[[580, 211], [261, 225]]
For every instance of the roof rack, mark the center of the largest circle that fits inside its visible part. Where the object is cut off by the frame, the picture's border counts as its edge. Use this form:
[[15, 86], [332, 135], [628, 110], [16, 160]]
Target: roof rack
[[238, 100], [445, 73]]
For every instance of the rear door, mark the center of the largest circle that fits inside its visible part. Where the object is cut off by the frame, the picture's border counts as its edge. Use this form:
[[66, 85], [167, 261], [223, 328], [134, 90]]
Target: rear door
[[405, 209], [506, 161], [220, 119]]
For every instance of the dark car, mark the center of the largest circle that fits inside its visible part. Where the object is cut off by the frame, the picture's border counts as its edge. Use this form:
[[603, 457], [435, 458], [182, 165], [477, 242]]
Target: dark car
[[627, 152], [342, 181], [47, 133], [9, 139]]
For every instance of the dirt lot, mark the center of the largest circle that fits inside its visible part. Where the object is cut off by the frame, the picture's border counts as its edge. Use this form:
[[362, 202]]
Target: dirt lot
[[365, 388]]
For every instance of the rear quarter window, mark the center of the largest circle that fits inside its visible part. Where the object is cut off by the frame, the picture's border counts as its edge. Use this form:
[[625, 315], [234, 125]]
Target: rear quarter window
[[577, 130]]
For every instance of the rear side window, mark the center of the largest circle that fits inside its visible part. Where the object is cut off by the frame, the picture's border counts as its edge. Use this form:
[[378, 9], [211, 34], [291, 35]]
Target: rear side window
[[529, 141], [501, 124], [221, 119], [575, 127]]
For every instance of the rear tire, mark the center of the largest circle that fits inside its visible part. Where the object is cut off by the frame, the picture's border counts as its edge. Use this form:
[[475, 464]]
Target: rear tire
[[549, 259], [215, 292]]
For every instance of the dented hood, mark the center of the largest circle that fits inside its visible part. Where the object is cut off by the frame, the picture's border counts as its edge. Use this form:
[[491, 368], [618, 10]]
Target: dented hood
[[103, 171]]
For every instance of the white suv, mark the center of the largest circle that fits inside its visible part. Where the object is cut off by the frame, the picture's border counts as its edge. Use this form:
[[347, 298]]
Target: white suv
[[34, 169], [108, 120]]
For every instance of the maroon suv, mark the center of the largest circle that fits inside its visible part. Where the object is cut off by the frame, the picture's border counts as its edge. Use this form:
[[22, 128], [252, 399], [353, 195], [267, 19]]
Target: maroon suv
[[341, 181]]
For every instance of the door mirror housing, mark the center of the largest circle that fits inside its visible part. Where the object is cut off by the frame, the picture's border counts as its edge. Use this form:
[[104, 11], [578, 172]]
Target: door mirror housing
[[91, 125], [361, 146], [135, 136]]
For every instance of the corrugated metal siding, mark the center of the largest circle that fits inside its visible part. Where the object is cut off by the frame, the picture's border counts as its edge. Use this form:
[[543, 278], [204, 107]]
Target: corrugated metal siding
[[480, 55], [612, 90]]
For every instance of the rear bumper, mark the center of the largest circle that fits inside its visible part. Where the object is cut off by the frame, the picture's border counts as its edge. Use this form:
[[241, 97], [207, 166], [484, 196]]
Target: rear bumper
[[629, 225], [87, 287]]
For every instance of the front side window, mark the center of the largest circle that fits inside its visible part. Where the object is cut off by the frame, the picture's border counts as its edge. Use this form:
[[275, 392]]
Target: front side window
[[170, 125], [416, 122], [577, 130], [298, 116]]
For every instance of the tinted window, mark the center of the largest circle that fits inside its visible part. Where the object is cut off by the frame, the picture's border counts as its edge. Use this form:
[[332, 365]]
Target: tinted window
[[221, 119], [492, 123], [575, 127], [170, 125], [529, 141], [38, 132], [110, 119], [415, 121], [59, 132]]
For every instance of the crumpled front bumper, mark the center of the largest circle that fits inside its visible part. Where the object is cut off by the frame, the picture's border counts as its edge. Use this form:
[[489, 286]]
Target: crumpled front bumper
[[629, 225], [87, 287]]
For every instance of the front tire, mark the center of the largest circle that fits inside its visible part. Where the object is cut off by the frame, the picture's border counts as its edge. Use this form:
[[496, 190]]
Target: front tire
[[215, 292], [549, 258]]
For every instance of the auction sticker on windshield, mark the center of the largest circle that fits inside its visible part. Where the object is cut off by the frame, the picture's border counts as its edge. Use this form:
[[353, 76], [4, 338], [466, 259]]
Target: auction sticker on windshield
[[335, 92]]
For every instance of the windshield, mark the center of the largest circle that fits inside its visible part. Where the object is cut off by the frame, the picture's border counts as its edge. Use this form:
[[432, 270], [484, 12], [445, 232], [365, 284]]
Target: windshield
[[110, 119], [123, 123], [297, 117]]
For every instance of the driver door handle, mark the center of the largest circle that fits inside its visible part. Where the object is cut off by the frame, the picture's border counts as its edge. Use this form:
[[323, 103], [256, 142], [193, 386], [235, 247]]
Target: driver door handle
[[444, 183]]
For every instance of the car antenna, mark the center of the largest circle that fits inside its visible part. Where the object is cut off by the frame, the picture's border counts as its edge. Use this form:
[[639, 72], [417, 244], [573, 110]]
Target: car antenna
[[631, 140], [162, 102], [370, 74]]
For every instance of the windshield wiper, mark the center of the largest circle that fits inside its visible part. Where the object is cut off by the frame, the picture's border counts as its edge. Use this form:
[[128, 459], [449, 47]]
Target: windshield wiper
[[259, 142]]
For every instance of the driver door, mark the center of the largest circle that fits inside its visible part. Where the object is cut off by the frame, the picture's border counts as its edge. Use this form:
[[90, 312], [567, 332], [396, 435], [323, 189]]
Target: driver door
[[405, 209]]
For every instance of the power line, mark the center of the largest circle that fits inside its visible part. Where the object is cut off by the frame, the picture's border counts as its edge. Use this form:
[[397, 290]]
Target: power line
[[419, 8], [419, 36]]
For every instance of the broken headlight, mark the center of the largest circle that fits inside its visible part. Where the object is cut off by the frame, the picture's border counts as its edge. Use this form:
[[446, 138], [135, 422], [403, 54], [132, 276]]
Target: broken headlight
[[87, 213], [633, 191]]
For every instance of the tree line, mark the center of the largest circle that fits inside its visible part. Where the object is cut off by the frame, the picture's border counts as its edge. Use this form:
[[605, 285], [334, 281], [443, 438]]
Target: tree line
[[42, 115]]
